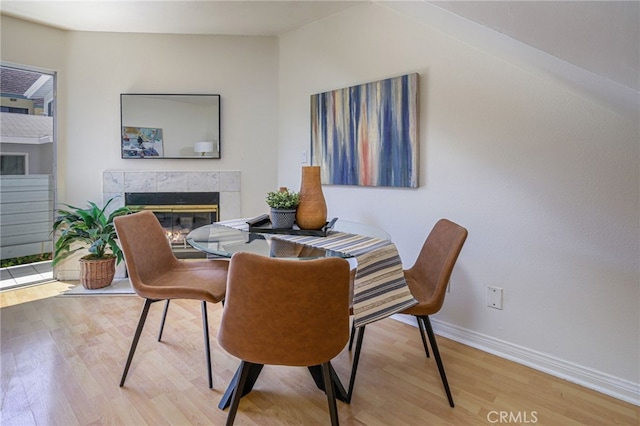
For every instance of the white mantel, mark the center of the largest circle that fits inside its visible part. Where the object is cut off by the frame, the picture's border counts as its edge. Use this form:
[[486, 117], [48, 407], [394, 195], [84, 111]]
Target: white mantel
[[116, 182]]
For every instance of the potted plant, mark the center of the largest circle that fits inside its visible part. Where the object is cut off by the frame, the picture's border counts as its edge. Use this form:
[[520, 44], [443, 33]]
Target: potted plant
[[283, 205], [90, 228]]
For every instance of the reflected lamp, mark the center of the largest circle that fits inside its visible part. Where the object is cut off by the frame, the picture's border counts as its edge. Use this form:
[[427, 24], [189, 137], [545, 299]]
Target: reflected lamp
[[203, 147]]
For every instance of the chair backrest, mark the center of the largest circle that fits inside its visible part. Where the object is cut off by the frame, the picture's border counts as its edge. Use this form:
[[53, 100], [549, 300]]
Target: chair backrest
[[146, 249], [437, 258], [285, 312]]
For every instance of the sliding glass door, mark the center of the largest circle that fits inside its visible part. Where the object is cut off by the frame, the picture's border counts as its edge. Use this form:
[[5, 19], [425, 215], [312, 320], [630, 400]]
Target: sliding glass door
[[27, 173]]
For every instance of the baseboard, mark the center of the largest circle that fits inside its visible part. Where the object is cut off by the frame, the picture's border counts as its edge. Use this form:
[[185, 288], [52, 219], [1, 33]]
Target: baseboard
[[607, 384]]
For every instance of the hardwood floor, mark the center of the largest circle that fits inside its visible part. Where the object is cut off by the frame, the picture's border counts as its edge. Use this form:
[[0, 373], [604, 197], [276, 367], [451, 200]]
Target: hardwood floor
[[62, 358]]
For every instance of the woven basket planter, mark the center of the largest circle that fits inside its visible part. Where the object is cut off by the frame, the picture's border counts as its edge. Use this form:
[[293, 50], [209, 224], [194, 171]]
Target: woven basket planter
[[95, 274]]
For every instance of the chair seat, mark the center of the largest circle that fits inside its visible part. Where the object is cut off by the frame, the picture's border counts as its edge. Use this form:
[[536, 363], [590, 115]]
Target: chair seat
[[201, 280], [428, 303]]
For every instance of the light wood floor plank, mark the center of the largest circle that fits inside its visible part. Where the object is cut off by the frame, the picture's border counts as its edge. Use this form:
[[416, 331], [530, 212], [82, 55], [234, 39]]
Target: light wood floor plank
[[62, 358]]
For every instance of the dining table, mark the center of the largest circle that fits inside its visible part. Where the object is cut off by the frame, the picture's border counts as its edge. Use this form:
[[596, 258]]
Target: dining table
[[379, 286]]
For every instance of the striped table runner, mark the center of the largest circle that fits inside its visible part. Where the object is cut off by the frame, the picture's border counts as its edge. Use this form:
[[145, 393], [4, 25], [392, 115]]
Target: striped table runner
[[380, 289]]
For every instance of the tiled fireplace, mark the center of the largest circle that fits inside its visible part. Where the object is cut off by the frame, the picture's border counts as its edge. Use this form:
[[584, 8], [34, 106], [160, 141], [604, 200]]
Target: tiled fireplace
[[115, 183], [224, 184]]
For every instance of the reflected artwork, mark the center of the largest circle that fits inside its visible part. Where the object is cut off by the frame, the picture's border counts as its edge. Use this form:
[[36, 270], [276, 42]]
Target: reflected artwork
[[141, 142]]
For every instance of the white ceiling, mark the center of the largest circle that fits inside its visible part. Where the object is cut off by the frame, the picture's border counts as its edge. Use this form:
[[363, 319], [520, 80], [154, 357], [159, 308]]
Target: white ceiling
[[255, 18], [602, 37]]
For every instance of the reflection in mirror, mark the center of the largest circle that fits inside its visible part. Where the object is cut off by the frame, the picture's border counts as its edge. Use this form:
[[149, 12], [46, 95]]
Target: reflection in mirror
[[170, 126]]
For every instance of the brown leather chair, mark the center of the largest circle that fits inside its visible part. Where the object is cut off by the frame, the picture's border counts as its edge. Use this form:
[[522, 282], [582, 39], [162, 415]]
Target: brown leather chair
[[284, 312], [428, 279], [156, 274]]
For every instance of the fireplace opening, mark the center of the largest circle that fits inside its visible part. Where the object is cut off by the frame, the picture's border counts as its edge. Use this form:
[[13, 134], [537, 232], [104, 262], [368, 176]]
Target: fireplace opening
[[179, 213]]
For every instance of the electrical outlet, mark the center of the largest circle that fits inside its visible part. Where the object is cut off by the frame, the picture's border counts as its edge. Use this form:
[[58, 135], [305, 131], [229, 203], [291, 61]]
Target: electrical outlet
[[303, 157], [494, 297]]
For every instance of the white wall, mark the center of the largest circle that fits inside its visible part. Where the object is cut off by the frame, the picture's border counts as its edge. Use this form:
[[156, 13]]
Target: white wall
[[95, 68], [104, 65], [545, 178]]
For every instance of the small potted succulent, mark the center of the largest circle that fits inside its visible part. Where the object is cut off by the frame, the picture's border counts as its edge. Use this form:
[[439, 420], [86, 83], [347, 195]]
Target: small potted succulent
[[89, 228], [283, 205]]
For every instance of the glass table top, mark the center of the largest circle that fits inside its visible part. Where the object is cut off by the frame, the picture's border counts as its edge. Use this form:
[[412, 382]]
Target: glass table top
[[223, 241]]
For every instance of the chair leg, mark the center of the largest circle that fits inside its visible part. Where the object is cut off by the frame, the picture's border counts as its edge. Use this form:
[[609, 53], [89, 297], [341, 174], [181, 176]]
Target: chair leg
[[436, 355], [331, 394], [164, 317], [237, 392], [207, 348], [136, 337], [354, 368], [424, 339], [352, 335]]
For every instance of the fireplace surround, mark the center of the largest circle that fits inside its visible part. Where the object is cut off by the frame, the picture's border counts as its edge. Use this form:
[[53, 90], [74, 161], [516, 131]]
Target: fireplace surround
[[116, 183]]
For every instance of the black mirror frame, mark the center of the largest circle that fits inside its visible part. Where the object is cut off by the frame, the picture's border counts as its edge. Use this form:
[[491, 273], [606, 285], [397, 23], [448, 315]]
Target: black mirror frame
[[148, 131]]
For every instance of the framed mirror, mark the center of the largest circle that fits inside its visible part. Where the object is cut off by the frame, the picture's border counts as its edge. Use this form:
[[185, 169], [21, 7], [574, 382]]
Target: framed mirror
[[169, 126]]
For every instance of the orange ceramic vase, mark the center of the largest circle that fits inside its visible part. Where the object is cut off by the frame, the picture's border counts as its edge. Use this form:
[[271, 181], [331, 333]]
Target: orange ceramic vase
[[312, 210]]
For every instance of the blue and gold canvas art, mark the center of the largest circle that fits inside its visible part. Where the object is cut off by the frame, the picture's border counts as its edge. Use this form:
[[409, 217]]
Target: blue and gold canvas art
[[367, 134]]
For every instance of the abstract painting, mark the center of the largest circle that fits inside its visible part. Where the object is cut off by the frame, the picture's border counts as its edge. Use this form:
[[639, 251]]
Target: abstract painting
[[367, 134]]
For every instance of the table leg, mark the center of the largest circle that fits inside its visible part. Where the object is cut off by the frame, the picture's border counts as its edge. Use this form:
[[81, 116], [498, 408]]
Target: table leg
[[254, 372]]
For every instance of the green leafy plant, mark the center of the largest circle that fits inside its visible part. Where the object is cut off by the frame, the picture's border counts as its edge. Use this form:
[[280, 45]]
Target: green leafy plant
[[283, 199], [25, 260], [88, 228]]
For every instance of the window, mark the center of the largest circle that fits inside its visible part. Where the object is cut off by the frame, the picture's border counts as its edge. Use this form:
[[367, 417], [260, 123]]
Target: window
[[13, 164], [14, 110]]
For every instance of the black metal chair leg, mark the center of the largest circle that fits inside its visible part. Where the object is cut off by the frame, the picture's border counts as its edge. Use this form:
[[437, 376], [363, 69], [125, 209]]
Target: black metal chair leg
[[424, 339], [237, 392], [136, 337], [354, 368], [352, 336], [331, 394], [207, 348], [164, 317], [436, 355]]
